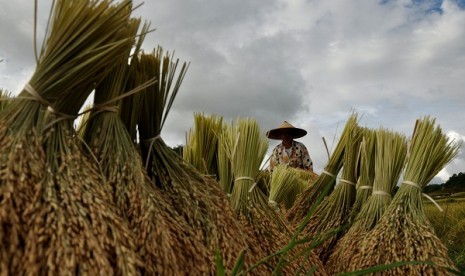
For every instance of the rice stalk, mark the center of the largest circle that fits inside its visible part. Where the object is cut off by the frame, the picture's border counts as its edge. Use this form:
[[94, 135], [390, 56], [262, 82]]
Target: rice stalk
[[266, 227], [390, 152], [160, 237], [304, 201], [285, 185], [333, 212], [225, 173], [404, 232], [366, 171], [247, 154], [196, 199], [202, 144], [268, 243], [46, 221]]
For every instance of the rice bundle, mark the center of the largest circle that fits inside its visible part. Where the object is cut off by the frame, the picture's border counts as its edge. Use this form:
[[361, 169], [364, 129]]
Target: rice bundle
[[308, 177], [391, 150], [249, 150], [202, 144], [225, 173], [266, 228], [404, 233], [304, 201], [66, 221], [159, 238], [333, 211], [277, 255], [197, 200], [285, 185], [366, 171]]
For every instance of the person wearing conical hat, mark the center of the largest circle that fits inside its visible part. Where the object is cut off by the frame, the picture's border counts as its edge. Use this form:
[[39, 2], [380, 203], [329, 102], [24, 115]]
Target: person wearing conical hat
[[289, 152]]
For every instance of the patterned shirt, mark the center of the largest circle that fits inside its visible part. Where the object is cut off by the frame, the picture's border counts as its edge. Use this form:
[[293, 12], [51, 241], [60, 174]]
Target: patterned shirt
[[298, 157]]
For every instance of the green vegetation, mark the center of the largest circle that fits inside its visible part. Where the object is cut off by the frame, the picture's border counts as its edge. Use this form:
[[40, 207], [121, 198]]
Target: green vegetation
[[449, 226], [455, 184]]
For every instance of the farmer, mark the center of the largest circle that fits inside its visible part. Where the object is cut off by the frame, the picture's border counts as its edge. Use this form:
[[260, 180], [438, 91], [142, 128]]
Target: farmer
[[289, 152]]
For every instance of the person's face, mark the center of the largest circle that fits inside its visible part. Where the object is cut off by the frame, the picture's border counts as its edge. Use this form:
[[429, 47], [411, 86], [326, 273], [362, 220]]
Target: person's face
[[286, 138]]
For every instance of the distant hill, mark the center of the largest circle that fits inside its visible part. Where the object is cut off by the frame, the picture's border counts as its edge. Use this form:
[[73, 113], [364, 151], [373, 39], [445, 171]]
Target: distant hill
[[455, 184]]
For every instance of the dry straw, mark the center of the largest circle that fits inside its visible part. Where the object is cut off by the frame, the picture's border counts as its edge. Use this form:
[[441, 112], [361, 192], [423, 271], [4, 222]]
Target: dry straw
[[68, 223], [390, 153], [298, 213], [404, 233], [333, 212]]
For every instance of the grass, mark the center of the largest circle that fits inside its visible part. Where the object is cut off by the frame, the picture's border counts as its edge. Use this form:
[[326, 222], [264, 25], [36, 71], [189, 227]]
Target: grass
[[450, 226]]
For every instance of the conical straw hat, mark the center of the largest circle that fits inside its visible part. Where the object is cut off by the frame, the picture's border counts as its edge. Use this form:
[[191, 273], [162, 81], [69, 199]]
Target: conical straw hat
[[286, 127]]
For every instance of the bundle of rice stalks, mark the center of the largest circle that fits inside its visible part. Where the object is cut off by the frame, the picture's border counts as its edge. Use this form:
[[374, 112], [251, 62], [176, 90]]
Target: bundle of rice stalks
[[391, 150], [202, 144], [308, 177], [225, 173], [276, 254], [404, 233], [333, 212], [246, 155], [266, 228], [304, 201], [366, 171], [196, 199], [285, 185], [55, 218], [160, 238], [246, 149]]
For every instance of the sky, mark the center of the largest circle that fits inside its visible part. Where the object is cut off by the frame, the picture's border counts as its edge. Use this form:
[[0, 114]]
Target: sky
[[311, 63]]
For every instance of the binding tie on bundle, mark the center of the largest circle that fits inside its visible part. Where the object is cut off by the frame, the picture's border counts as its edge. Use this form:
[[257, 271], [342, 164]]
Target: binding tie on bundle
[[411, 184], [383, 193], [151, 140], [425, 195], [366, 187], [35, 95], [247, 178], [60, 117], [347, 181], [328, 173], [273, 203], [104, 108]]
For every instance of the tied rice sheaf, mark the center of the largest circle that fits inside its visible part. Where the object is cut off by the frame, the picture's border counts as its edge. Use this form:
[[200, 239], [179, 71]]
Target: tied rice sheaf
[[404, 233], [198, 202], [390, 153], [56, 213]]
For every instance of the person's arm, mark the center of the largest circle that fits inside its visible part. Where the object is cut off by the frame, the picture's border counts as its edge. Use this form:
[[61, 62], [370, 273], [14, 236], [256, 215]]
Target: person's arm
[[306, 160]]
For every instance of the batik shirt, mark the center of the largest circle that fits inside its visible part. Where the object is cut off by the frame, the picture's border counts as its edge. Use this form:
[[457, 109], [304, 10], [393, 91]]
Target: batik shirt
[[297, 158]]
